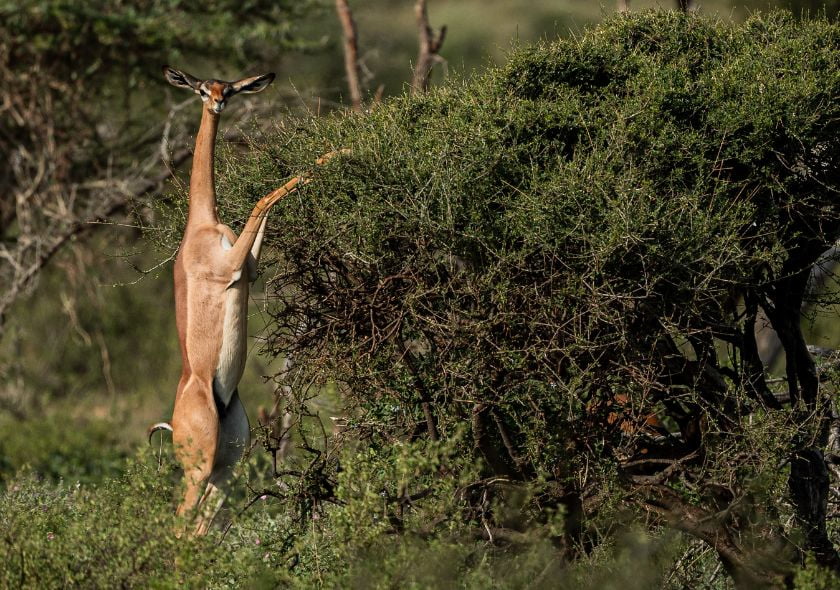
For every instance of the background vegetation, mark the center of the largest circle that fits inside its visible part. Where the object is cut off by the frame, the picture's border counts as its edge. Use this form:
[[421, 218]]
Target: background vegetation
[[482, 428]]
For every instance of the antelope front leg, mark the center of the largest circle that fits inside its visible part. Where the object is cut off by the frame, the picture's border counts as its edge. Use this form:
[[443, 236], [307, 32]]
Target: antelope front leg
[[254, 228], [250, 240], [254, 258]]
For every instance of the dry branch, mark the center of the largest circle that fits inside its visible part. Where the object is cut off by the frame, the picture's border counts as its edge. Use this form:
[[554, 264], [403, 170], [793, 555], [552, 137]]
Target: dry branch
[[748, 568], [25, 258]]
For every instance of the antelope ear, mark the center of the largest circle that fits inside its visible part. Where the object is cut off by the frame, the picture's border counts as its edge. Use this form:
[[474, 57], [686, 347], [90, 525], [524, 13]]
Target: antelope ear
[[181, 79], [251, 85]]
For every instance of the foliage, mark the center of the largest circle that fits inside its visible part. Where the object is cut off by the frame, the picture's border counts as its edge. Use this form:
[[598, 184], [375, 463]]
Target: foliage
[[93, 38], [116, 534], [395, 524], [813, 577], [566, 256], [87, 453]]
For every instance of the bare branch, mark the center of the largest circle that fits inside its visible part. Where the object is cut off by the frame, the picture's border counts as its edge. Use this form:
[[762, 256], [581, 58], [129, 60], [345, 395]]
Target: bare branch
[[30, 256]]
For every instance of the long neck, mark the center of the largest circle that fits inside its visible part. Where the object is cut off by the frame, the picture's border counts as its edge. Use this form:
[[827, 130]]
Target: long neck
[[202, 181]]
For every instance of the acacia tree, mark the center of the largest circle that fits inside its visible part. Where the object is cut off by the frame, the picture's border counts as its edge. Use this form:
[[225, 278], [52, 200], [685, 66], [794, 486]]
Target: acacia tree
[[556, 269]]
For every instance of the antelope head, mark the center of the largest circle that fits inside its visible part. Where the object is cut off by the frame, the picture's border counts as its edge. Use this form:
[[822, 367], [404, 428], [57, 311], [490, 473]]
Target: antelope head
[[215, 93]]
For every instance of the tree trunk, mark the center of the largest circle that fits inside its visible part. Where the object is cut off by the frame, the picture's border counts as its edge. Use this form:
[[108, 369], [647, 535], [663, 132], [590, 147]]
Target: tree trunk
[[809, 487], [430, 45], [351, 52]]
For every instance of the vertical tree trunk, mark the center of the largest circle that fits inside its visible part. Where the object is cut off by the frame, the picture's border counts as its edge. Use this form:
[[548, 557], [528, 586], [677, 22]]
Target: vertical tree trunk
[[351, 52], [624, 5], [808, 481], [430, 45], [809, 487]]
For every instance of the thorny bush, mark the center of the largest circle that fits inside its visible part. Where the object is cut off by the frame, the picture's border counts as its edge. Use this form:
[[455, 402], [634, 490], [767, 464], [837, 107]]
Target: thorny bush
[[566, 258]]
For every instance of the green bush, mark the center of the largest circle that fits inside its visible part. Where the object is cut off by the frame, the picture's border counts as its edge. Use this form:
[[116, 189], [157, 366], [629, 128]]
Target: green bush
[[57, 448], [116, 534], [534, 264]]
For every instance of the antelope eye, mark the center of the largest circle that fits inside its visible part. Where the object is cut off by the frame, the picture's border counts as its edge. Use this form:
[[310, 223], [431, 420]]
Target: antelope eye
[[202, 92]]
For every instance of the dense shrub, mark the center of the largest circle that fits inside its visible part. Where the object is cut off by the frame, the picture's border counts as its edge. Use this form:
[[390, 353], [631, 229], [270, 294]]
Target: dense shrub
[[534, 264], [85, 452], [118, 534]]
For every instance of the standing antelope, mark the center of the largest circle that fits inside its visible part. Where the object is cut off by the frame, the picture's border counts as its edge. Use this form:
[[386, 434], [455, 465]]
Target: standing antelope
[[212, 270]]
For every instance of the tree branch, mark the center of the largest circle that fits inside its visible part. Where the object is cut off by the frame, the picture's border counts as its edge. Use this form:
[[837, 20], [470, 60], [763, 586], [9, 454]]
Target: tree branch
[[49, 246], [711, 527]]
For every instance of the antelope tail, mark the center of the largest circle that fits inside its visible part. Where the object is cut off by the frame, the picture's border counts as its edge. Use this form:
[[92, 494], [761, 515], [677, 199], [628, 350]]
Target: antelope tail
[[159, 426]]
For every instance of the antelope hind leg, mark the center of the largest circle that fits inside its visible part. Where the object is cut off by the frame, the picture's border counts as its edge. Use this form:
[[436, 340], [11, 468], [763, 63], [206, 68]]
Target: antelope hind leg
[[234, 436], [195, 435]]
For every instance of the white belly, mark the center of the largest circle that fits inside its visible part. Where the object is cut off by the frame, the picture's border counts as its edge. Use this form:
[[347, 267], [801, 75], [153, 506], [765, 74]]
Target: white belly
[[234, 342]]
